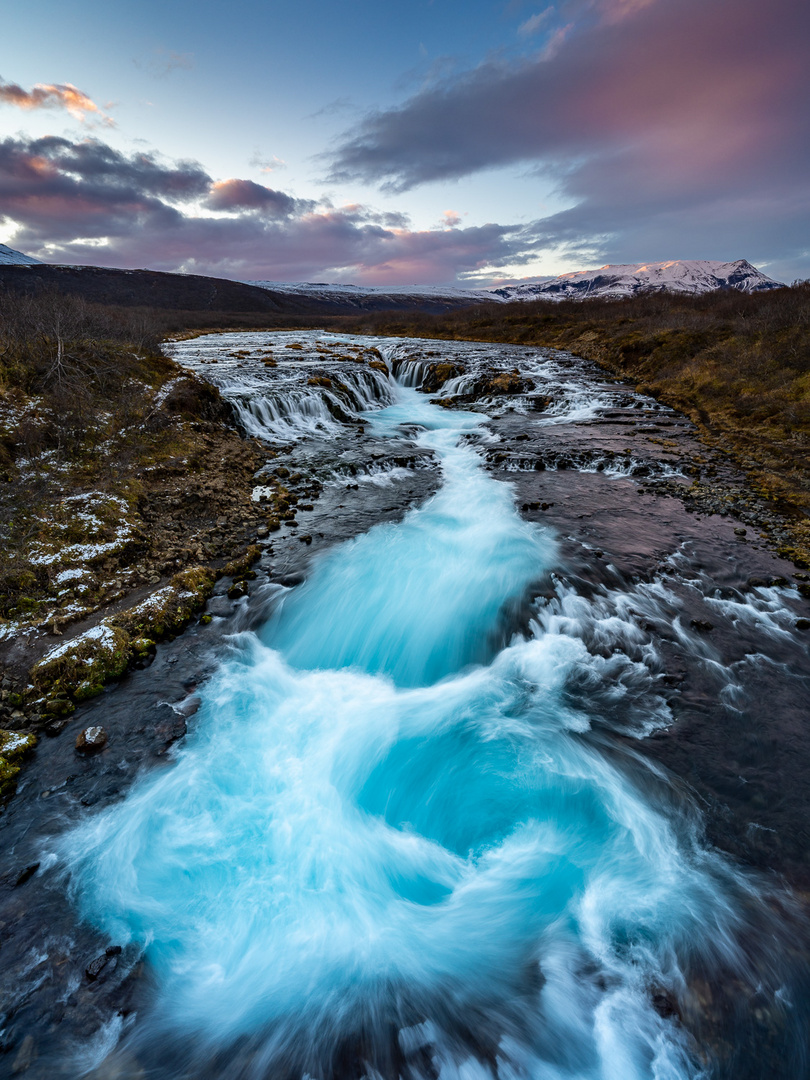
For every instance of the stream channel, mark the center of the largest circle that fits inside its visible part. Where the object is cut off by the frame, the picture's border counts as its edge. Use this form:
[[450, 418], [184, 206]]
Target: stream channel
[[498, 771]]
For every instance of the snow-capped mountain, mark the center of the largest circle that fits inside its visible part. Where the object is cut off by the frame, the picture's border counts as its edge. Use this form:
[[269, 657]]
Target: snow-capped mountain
[[8, 257], [628, 279], [611, 281]]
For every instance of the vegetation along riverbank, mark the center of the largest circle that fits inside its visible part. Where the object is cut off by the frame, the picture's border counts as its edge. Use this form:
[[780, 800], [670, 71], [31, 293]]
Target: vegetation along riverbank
[[125, 493]]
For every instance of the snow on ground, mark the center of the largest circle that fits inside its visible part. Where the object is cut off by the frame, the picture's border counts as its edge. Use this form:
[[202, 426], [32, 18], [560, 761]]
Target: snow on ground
[[10, 257]]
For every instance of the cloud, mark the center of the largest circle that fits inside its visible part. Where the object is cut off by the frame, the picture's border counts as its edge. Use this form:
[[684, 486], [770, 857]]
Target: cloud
[[247, 195], [267, 165], [535, 22], [647, 117], [162, 62], [60, 189], [54, 96], [84, 202]]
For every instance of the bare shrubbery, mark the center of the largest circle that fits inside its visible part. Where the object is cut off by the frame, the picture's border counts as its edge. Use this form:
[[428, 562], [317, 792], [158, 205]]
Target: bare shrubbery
[[50, 341], [76, 361]]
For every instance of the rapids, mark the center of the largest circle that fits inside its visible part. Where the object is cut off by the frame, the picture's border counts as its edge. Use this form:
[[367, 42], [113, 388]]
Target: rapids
[[388, 847]]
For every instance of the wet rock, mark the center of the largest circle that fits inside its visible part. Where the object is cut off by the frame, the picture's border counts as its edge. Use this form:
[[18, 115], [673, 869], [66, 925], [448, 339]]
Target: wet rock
[[56, 727], [703, 626], [26, 874], [803, 624], [741, 532], [437, 375], [91, 740], [171, 726], [238, 590], [26, 1056], [107, 961], [664, 1006], [506, 382]]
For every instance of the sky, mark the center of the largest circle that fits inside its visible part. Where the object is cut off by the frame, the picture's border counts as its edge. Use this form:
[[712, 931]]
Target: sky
[[440, 142]]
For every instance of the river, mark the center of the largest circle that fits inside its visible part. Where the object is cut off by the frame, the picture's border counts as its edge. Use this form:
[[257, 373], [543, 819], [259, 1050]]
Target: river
[[414, 830]]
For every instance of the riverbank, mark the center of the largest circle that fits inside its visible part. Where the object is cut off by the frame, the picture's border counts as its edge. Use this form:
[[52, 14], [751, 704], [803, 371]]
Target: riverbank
[[126, 492]]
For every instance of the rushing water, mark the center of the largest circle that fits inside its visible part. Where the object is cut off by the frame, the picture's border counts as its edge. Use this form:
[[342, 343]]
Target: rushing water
[[388, 845]]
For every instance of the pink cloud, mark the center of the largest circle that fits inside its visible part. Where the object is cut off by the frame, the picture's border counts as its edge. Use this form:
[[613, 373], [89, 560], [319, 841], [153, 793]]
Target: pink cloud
[[54, 96]]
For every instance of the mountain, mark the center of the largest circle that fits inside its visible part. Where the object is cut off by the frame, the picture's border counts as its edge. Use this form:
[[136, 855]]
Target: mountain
[[629, 279], [611, 282], [10, 257]]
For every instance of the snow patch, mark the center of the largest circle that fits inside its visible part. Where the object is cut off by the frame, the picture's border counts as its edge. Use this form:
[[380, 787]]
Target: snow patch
[[10, 257]]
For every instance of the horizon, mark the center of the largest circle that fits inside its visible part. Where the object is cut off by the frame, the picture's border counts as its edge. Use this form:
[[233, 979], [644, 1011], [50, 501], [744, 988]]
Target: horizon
[[406, 286], [430, 144]]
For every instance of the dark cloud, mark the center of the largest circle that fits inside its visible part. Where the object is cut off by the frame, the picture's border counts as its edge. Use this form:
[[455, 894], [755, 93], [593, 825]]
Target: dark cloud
[[85, 202], [247, 195], [59, 189], [667, 122]]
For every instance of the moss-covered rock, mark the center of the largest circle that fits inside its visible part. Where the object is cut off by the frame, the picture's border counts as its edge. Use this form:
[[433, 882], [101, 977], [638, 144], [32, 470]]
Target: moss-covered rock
[[169, 609], [13, 747], [80, 667], [240, 565]]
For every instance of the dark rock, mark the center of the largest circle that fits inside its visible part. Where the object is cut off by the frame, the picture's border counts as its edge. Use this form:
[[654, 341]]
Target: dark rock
[[664, 1006], [26, 1055], [27, 874], [91, 740], [171, 726], [56, 727], [107, 961], [803, 624], [437, 375], [238, 590], [702, 625]]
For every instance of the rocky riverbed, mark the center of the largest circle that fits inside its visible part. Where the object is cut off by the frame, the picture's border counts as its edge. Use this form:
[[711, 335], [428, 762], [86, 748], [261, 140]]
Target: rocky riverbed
[[697, 634]]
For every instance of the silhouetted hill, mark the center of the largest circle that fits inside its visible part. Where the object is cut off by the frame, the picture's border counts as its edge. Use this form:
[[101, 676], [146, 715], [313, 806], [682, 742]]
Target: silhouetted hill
[[194, 293]]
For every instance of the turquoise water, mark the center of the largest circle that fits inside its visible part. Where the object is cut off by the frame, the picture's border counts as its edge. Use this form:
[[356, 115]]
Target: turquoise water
[[386, 819]]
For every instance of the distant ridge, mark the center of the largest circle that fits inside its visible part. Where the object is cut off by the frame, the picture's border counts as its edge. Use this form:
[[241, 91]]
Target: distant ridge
[[608, 282], [10, 257], [280, 303]]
